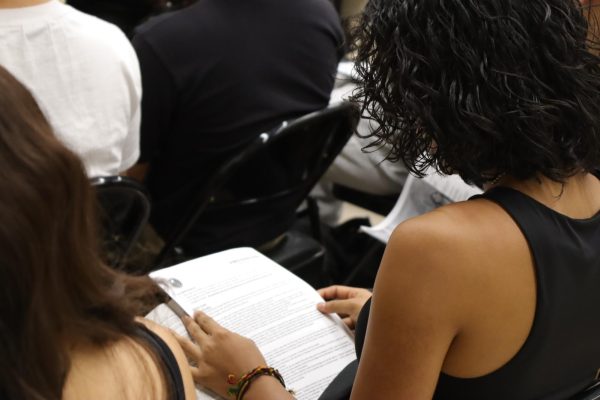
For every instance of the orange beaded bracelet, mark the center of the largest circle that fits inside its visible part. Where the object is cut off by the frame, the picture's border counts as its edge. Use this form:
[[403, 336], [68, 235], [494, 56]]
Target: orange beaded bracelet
[[240, 387]]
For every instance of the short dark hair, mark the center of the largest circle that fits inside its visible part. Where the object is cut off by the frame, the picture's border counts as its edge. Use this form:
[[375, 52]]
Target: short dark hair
[[481, 88]]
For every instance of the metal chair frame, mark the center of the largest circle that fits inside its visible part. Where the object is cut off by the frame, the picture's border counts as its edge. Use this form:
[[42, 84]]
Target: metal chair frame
[[138, 194], [206, 191]]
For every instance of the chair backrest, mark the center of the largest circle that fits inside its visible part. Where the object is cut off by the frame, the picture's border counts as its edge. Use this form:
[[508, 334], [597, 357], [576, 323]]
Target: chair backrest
[[124, 209], [591, 393], [272, 175]]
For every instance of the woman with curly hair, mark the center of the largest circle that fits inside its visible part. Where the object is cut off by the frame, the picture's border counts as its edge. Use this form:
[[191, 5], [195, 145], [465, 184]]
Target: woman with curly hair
[[67, 321], [495, 297]]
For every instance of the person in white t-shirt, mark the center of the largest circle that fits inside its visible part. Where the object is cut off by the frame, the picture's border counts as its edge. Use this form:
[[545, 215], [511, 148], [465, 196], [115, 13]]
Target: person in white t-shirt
[[84, 75]]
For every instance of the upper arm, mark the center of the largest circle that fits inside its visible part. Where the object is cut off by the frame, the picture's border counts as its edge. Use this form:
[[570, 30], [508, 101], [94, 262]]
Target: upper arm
[[415, 315], [184, 368]]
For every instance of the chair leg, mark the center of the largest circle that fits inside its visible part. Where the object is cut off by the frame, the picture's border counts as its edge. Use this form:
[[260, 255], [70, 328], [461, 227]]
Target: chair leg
[[313, 215]]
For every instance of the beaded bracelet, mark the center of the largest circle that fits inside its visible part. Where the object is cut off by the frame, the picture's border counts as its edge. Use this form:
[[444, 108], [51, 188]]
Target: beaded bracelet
[[242, 385]]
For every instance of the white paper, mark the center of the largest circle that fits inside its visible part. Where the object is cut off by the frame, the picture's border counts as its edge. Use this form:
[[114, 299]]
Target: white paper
[[420, 196], [346, 70], [249, 294]]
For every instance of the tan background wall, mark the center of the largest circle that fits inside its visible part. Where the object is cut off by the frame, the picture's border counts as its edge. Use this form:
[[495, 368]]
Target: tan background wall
[[352, 7]]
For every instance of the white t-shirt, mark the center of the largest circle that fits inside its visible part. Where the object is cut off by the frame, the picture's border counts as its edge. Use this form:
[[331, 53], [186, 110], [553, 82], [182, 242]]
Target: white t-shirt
[[85, 76]]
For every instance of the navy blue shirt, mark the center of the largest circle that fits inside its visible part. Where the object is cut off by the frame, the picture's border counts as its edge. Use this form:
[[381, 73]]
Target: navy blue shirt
[[220, 72]]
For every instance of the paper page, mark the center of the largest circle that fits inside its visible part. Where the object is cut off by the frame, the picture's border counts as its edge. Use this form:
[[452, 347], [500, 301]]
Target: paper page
[[420, 196], [451, 186], [249, 294], [346, 70]]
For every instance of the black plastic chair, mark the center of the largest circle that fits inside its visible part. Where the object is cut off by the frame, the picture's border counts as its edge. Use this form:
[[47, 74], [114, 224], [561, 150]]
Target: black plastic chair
[[591, 393], [124, 209], [268, 178]]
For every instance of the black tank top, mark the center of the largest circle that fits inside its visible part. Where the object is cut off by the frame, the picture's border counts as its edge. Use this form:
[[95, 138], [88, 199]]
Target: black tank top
[[561, 355], [174, 381]]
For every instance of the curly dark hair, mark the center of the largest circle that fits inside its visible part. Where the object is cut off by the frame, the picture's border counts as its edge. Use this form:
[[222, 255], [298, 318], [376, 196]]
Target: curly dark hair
[[481, 88]]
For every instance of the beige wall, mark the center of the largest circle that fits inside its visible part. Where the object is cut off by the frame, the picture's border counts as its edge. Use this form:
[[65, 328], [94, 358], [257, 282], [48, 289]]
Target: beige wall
[[352, 7]]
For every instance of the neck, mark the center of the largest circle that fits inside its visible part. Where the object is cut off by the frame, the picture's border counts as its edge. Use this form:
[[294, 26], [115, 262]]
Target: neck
[[540, 184], [577, 197], [21, 3]]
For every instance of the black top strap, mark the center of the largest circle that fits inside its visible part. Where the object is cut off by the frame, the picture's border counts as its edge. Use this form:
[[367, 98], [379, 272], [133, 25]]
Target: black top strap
[[174, 381]]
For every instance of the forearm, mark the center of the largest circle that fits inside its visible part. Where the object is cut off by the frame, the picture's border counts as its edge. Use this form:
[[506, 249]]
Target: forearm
[[267, 388]]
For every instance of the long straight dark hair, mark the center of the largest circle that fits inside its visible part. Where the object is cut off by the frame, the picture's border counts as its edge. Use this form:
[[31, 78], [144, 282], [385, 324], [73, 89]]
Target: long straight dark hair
[[54, 290]]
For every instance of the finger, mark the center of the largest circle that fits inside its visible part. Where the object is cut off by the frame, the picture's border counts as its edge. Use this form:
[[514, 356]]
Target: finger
[[205, 322], [344, 307], [322, 292], [190, 349], [195, 330], [336, 292]]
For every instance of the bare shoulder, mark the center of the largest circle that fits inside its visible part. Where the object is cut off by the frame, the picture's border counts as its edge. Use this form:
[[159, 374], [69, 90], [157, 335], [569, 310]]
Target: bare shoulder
[[161, 332], [446, 252], [173, 344], [456, 230], [424, 293], [124, 369]]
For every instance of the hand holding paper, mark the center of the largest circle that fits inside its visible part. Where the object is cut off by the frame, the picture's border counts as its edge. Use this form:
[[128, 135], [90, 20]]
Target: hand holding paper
[[246, 293], [345, 301], [217, 353]]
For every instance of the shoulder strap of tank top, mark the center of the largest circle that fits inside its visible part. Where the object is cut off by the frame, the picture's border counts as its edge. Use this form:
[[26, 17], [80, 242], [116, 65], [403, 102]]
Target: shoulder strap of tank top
[[171, 367]]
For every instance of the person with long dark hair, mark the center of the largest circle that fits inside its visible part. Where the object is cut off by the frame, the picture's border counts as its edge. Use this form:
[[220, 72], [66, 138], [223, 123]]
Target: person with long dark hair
[[67, 325], [495, 297]]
